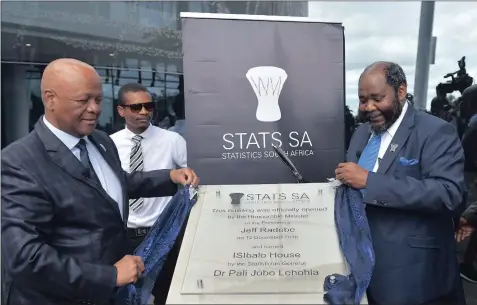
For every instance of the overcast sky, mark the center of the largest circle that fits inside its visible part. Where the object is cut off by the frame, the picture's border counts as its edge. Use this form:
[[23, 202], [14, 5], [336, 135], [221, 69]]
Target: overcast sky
[[389, 31]]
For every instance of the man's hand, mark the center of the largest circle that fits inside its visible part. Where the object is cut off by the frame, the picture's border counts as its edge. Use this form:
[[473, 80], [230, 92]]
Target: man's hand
[[129, 269], [184, 176], [464, 231], [351, 174]]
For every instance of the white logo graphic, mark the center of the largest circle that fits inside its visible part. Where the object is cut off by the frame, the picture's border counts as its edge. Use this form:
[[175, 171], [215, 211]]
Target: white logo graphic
[[267, 83]]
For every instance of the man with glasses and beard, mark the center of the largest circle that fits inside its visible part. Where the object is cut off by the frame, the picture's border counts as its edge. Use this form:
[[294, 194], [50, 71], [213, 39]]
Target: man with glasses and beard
[[409, 167], [144, 147]]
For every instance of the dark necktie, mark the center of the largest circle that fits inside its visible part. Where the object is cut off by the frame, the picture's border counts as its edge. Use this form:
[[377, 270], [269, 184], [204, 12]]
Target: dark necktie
[[84, 158]]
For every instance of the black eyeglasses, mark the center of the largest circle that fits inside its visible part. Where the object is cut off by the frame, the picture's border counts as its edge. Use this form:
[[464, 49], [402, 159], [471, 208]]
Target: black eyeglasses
[[150, 106]]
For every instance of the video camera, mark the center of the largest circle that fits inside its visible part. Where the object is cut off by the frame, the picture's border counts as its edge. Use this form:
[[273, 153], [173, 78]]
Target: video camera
[[440, 105], [460, 80]]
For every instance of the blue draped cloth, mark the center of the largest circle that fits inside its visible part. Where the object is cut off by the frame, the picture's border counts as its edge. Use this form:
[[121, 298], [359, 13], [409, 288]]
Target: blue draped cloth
[[156, 246], [355, 242]]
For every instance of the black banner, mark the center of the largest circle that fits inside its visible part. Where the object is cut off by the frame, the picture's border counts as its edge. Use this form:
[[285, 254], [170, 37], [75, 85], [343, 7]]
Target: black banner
[[256, 81]]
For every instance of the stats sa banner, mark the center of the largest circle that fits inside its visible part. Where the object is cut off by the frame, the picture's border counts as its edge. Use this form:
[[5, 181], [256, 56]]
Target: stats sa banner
[[252, 82]]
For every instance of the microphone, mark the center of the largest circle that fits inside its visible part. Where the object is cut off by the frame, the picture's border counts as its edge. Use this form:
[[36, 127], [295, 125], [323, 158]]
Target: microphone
[[289, 164]]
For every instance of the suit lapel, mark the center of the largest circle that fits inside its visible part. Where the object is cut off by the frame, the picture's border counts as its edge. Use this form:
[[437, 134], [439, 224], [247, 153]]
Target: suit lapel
[[398, 141], [59, 153], [103, 151], [109, 158], [65, 159]]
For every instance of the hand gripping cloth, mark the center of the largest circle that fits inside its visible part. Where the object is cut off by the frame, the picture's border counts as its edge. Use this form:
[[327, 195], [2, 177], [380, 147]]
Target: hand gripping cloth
[[355, 242], [156, 246]]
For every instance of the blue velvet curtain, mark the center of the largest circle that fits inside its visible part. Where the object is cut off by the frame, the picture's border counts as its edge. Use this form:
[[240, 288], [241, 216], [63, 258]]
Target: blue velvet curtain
[[156, 246], [356, 245]]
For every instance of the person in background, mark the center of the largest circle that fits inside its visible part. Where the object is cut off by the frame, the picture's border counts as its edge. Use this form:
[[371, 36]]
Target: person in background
[[409, 166], [144, 147], [179, 109], [467, 227], [65, 199], [468, 220], [468, 106]]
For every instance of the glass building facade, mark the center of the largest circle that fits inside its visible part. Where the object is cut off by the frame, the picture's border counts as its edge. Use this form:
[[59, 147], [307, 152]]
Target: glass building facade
[[126, 42]]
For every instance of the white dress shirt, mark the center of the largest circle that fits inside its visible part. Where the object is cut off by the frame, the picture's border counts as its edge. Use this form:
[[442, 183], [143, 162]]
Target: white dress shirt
[[388, 135], [107, 177], [161, 149]]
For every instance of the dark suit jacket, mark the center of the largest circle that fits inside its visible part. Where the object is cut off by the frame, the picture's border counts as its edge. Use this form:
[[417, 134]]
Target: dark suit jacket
[[469, 143], [410, 210], [470, 214], [61, 233]]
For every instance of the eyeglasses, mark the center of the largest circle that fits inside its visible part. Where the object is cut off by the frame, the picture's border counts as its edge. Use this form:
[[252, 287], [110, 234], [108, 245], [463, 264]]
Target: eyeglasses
[[149, 106]]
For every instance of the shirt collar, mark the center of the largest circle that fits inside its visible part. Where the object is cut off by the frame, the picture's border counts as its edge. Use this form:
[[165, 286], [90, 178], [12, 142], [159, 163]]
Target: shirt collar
[[394, 127], [147, 133], [67, 139]]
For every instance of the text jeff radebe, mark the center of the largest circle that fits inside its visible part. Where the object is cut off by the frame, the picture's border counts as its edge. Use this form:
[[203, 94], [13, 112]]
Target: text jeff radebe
[[267, 230]]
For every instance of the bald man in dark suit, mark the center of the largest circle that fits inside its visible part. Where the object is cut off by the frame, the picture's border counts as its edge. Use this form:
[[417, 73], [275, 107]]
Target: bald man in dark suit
[[65, 199]]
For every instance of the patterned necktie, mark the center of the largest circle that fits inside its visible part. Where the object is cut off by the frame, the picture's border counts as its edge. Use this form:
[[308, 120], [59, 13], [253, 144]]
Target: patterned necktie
[[84, 158], [370, 154], [136, 163]]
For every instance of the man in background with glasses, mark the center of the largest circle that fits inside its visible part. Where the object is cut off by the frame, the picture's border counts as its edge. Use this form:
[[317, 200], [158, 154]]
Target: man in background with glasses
[[144, 147]]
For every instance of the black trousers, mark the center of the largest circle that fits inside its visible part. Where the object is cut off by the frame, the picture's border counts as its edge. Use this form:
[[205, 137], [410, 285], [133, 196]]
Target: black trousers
[[164, 278], [456, 297]]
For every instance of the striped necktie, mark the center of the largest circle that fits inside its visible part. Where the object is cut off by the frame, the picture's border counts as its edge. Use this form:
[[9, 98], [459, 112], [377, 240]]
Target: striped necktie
[[136, 163], [370, 154]]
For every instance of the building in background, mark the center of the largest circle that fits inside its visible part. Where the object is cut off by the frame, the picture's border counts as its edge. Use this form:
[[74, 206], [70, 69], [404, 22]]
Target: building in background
[[126, 42]]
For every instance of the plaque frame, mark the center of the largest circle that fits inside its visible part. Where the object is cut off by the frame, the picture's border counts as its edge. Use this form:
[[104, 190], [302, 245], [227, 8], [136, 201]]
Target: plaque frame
[[176, 295]]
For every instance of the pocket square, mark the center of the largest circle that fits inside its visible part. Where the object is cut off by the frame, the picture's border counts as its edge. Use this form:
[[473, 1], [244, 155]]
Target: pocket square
[[407, 162]]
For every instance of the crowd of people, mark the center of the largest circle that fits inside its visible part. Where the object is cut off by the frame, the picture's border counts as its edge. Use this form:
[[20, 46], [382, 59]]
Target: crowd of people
[[76, 202], [463, 116]]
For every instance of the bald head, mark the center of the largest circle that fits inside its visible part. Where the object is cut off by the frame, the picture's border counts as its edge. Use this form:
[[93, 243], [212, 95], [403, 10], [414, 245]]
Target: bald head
[[71, 92], [393, 73], [62, 72], [378, 66]]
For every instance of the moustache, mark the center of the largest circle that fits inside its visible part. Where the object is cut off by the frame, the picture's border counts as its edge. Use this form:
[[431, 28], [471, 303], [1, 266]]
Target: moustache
[[373, 114], [365, 115]]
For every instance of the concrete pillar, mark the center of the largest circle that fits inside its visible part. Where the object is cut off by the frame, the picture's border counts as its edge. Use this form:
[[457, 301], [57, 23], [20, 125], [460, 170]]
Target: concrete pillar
[[423, 59]]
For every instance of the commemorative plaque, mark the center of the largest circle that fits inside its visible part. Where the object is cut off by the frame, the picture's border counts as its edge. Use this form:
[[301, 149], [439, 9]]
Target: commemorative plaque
[[272, 243]]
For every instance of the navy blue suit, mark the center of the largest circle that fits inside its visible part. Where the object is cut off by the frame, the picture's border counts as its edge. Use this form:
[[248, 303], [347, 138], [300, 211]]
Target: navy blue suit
[[410, 209], [62, 233]]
